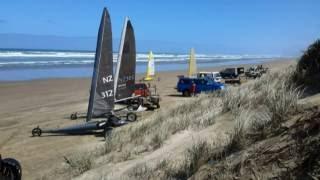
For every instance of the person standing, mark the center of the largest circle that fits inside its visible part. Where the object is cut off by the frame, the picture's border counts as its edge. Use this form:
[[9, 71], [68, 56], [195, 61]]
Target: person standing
[[193, 89]]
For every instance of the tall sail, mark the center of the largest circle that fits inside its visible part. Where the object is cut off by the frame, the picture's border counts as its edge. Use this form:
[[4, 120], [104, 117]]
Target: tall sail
[[101, 99], [126, 66], [150, 68], [192, 64]]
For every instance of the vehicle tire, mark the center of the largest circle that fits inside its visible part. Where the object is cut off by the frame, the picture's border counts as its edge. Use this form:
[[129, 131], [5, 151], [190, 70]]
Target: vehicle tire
[[131, 117], [158, 106], [186, 94], [73, 116], [15, 168], [36, 131]]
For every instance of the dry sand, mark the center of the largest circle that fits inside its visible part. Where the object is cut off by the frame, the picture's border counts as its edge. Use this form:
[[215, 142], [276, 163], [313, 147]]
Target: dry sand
[[49, 103]]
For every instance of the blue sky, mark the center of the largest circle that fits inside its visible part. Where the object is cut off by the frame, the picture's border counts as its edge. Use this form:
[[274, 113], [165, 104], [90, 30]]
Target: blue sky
[[283, 27]]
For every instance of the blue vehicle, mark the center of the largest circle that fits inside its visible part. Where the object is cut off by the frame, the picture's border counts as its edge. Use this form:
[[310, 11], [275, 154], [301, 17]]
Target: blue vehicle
[[184, 85]]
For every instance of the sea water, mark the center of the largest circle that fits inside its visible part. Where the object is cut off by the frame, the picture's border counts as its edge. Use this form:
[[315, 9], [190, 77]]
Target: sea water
[[20, 65]]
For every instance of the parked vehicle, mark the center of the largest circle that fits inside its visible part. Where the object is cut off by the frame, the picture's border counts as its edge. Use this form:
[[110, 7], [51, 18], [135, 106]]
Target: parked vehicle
[[231, 72], [214, 75], [148, 96], [205, 84], [232, 75], [255, 71]]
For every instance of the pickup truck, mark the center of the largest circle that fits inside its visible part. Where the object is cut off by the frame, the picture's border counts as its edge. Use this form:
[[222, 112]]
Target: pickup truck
[[184, 85]]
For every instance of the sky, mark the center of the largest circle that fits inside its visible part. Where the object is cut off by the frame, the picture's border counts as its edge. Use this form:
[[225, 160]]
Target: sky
[[274, 27]]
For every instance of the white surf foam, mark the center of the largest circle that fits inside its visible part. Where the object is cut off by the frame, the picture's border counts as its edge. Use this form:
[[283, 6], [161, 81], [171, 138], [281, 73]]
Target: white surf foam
[[47, 58]]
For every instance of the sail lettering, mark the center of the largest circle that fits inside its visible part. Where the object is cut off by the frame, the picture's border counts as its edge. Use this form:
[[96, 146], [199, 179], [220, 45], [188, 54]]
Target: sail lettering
[[107, 93], [127, 78], [107, 79]]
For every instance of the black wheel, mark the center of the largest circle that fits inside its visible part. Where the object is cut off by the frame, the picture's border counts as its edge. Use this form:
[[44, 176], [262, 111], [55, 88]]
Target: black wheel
[[73, 116], [158, 106], [36, 131], [13, 169], [186, 93], [131, 117]]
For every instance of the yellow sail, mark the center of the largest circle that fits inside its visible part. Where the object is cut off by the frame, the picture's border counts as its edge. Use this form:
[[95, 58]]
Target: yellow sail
[[150, 68], [192, 64]]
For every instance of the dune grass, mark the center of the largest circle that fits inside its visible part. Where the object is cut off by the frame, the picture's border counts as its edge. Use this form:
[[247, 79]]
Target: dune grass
[[148, 135], [151, 133], [259, 108]]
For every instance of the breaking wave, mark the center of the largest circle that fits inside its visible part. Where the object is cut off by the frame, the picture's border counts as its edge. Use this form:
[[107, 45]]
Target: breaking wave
[[33, 58]]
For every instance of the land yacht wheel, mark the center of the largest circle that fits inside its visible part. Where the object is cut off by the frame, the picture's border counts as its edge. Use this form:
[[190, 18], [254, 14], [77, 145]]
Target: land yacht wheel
[[36, 131], [73, 116], [131, 117], [11, 169]]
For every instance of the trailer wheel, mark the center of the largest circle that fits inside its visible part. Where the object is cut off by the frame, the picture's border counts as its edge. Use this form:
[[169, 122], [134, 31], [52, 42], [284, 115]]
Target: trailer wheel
[[131, 117], [36, 131], [73, 116], [13, 168]]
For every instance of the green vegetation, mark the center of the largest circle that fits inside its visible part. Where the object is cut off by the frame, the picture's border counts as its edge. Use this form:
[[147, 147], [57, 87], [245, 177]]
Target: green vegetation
[[308, 68]]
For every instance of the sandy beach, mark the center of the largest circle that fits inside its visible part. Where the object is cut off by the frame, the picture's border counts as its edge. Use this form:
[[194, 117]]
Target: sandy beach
[[49, 103]]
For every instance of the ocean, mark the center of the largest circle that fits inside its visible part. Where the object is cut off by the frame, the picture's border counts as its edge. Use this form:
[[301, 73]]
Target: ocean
[[21, 65]]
